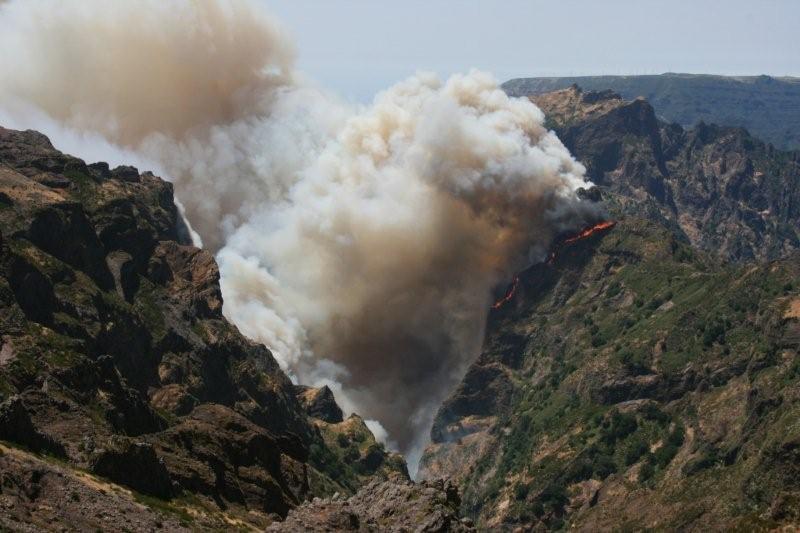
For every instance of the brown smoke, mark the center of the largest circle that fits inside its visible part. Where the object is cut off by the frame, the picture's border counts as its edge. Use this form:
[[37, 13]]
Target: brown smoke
[[362, 245], [128, 69]]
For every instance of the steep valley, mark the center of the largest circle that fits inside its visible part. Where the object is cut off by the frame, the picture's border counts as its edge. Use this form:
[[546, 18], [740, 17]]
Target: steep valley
[[644, 376], [126, 399], [266, 268]]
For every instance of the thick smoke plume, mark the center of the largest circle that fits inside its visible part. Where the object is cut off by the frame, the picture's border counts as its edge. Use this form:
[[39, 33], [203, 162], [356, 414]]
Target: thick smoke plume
[[363, 245]]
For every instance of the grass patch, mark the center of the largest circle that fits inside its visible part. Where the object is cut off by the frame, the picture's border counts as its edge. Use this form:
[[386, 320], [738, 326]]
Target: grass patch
[[165, 507]]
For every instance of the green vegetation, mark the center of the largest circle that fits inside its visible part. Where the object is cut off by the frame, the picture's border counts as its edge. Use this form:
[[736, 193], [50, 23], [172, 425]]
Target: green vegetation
[[603, 393], [165, 507], [350, 454], [148, 305], [85, 188]]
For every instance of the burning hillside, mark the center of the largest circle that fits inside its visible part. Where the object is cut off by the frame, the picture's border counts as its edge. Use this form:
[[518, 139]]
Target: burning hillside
[[585, 233], [509, 294]]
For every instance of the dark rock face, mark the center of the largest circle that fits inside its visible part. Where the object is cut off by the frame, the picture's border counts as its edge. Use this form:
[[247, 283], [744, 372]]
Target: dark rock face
[[319, 403], [219, 453], [114, 353], [191, 275], [16, 425], [134, 464], [485, 390], [383, 506]]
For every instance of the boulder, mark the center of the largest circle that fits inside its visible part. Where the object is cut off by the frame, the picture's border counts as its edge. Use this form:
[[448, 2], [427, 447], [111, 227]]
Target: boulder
[[125, 173]]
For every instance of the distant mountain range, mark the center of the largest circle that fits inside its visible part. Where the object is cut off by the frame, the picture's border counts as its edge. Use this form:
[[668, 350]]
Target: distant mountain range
[[768, 107]]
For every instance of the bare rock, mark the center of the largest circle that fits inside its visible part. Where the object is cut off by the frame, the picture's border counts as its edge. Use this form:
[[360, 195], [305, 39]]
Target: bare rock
[[393, 505], [319, 403], [191, 275], [219, 453], [134, 464]]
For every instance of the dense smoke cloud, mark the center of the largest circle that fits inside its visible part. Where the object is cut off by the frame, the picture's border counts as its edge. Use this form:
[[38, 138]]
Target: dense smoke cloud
[[362, 245]]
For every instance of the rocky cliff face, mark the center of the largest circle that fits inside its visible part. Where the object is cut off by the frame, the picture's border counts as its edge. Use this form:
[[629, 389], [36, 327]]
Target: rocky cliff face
[[635, 380], [115, 360], [720, 188]]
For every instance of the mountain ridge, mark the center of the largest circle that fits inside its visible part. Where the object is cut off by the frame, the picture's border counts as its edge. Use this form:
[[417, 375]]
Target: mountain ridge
[[769, 107], [619, 382]]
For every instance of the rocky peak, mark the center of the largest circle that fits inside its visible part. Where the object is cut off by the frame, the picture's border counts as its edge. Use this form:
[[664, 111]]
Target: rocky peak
[[593, 97], [573, 104], [319, 403]]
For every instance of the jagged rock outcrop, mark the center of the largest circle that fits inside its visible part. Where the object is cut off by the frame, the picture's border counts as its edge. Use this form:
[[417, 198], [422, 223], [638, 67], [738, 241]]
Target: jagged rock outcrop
[[348, 441], [15, 424], [134, 464], [319, 403]]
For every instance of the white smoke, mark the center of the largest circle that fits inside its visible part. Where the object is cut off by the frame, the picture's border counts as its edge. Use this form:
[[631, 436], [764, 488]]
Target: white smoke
[[362, 245]]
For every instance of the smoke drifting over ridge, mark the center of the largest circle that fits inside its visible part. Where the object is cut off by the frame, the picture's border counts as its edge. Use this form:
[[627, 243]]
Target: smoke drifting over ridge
[[362, 245]]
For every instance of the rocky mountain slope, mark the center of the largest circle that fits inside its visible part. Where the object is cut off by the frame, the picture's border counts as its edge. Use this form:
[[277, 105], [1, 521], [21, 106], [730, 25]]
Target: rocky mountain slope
[[768, 107], [719, 188], [632, 382], [646, 375], [125, 396]]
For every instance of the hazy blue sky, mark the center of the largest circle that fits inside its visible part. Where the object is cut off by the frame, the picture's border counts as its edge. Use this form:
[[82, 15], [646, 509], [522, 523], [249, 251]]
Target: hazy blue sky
[[360, 46]]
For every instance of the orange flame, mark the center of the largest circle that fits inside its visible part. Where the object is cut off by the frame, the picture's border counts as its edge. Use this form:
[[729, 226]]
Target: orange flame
[[583, 234], [591, 230], [509, 294]]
